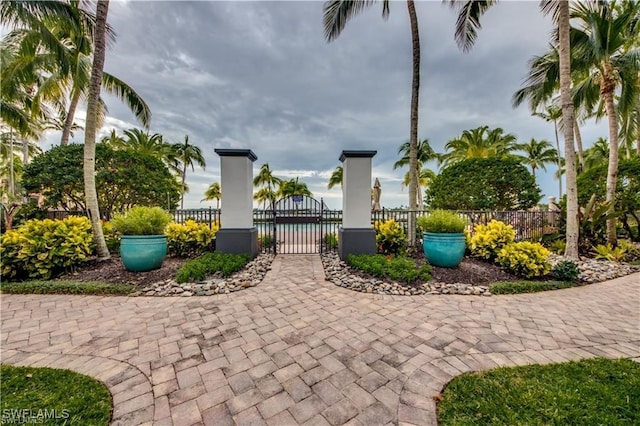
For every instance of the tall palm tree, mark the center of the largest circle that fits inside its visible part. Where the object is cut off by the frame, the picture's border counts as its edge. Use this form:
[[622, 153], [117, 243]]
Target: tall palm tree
[[553, 113], [292, 187], [600, 41], [72, 79], [213, 193], [538, 154], [269, 182], [424, 155], [141, 142], [89, 165], [466, 33], [335, 178], [187, 154], [480, 142], [426, 177], [336, 15]]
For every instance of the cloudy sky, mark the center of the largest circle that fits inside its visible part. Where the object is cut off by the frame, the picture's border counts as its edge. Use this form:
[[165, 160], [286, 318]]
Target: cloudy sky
[[260, 75]]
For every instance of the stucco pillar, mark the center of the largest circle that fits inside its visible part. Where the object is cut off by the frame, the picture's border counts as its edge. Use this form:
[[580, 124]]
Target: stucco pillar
[[237, 233], [356, 235]]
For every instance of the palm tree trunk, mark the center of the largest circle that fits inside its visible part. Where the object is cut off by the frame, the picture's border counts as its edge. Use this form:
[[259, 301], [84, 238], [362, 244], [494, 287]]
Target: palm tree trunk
[[184, 177], [413, 139], [68, 122], [555, 127], [90, 132], [12, 181], [612, 171], [576, 132], [572, 232]]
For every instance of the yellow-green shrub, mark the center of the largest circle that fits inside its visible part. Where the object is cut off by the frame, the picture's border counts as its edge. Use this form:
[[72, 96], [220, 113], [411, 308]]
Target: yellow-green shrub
[[111, 237], [525, 259], [189, 239], [487, 240], [390, 237], [45, 248]]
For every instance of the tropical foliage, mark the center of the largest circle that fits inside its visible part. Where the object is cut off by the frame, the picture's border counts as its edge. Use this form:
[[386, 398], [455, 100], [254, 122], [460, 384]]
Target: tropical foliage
[[123, 179], [484, 184]]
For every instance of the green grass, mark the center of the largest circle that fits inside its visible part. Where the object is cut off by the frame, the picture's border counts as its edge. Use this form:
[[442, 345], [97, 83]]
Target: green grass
[[65, 287], [76, 398], [515, 287], [590, 392]]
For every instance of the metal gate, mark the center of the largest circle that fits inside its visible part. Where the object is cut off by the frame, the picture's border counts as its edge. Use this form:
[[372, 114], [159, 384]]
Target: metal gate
[[299, 225]]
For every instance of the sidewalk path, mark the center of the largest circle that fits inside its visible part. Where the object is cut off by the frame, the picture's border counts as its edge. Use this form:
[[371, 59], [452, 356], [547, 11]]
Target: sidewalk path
[[299, 350]]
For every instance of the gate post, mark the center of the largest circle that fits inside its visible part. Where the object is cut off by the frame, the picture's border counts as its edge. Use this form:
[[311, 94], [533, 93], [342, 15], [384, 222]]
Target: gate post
[[237, 233], [356, 236]]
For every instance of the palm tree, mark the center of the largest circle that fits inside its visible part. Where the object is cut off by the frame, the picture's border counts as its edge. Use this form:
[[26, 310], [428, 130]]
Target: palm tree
[[336, 15], [480, 142], [269, 182], [466, 33], [553, 114], [537, 154], [289, 188], [213, 193], [89, 166], [72, 79], [426, 177], [141, 142], [336, 178], [598, 153], [600, 44], [425, 154], [186, 154]]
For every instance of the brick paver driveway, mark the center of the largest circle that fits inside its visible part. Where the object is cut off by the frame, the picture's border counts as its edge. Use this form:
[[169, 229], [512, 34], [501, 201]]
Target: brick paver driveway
[[299, 350]]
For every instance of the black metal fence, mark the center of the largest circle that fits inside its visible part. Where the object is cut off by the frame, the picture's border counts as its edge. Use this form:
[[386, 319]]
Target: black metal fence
[[529, 225], [272, 232]]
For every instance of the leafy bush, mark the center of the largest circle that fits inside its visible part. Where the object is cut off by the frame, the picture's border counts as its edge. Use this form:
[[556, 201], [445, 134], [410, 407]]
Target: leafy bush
[[189, 239], [401, 269], [66, 287], [525, 259], [390, 237], [45, 248], [442, 221], [142, 220], [111, 237], [610, 253], [330, 241], [565, 271], [210, 263], [558, 246], [489, 239], [632, 250], [265, 240], [517, 287]]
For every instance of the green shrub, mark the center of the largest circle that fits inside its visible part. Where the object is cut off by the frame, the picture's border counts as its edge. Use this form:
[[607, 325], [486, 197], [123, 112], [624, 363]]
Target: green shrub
[[442, 221], [265, 240], [142, 220], [400, 269], [525, 259], [330, 241], [390, 237], [45, 248], [610, 253], [566, 270], [210, 263], [558, 246], [489, 239], [189, 239], [517, 287], [111, 237]]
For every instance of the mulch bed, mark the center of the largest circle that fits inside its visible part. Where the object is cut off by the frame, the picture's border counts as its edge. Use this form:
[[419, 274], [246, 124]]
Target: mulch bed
[[470, 271]]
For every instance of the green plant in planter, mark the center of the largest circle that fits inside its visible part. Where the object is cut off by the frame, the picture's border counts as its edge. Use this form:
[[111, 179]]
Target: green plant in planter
[[143, 246], [442, 221], [444, 241], [142, 220]]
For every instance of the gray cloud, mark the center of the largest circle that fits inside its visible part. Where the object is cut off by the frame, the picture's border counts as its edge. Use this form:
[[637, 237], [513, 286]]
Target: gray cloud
[[260, 75]]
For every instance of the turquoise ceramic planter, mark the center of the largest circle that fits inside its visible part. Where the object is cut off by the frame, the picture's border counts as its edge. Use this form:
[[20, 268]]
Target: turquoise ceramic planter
[[444, 250], [141, 253]]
